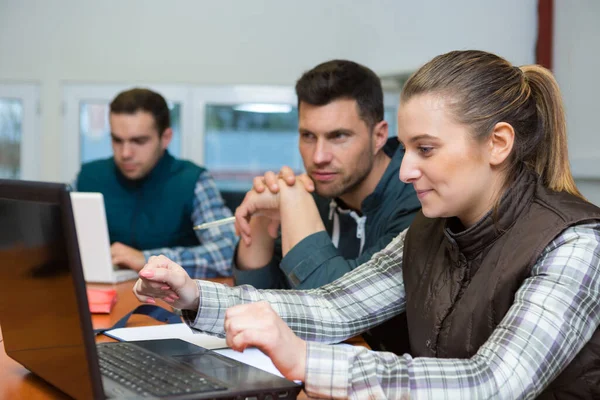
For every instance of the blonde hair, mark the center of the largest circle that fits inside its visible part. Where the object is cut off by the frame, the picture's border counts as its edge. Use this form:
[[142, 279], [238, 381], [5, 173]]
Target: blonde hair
[[486, 89]]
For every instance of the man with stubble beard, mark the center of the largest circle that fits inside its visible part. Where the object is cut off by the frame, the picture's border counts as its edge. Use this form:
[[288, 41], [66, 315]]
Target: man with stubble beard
[[302, 232]]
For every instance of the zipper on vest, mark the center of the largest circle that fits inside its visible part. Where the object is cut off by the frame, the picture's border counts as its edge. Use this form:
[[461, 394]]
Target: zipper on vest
[[458, 263], [134, 215]]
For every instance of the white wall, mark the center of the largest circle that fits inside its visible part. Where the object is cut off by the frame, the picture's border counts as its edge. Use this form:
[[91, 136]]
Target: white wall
[[228, 41], [577, 69]]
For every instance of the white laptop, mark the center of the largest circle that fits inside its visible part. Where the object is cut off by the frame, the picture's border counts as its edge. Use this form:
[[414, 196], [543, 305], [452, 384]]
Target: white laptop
[[94, 244]]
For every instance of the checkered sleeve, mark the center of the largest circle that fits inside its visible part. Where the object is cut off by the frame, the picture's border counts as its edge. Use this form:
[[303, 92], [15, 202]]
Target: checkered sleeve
[[555, 312], [213, 257], [364, 297]]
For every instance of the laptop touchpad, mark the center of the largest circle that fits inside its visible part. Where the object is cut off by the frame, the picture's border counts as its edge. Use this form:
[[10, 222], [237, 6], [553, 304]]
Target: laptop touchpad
[[223, 369], [171, 347], [206, 362]]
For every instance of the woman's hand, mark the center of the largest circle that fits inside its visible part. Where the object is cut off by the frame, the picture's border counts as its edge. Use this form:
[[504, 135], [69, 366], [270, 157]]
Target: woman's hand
[[163, 279], [258, 325]]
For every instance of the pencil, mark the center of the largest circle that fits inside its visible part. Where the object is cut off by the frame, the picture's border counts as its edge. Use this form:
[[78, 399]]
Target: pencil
[[211, 224]]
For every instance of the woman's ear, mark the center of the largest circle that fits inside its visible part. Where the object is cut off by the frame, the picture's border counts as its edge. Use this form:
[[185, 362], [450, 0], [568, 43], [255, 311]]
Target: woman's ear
[[501, 142]]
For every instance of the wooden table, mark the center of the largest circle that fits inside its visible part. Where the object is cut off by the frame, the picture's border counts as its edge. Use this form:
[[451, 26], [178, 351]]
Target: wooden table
[[16, 382]]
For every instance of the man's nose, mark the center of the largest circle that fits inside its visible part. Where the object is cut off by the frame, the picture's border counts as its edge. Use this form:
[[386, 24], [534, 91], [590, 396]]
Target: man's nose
[[322, 153], [126, 150]]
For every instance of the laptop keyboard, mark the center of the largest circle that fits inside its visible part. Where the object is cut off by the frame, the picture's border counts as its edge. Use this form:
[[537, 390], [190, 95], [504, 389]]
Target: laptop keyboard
[[149, 374]]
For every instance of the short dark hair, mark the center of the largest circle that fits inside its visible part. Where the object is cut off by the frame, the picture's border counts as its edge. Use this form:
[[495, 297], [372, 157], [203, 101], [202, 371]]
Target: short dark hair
[[139, 99], [339, 79]]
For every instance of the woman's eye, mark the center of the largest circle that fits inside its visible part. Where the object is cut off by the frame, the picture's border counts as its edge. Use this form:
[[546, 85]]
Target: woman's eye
[[425, 149]]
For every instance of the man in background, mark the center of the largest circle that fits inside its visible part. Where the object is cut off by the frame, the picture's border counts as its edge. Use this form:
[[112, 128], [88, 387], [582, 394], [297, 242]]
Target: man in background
[[360, 203], [154, 200]]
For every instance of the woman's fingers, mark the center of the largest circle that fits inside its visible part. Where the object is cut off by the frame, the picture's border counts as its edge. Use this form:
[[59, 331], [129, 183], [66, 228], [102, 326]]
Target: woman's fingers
[[142, 295], [258, 325]]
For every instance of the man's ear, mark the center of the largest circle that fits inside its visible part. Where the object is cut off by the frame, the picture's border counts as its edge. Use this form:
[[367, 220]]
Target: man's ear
[[501, 142], [380, 136], [166, 138]]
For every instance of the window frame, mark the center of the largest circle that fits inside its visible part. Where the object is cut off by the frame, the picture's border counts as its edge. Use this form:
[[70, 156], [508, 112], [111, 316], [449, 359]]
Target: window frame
[[193, 100], [75, 93], [237, 94], [231, 95]]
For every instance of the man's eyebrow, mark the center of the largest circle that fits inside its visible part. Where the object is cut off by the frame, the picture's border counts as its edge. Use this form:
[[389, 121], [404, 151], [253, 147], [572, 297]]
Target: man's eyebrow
[[340, 130], [131, 139], [328, 133]]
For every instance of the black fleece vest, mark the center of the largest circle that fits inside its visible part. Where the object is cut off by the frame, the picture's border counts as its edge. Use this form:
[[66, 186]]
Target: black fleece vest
[[459, 286]]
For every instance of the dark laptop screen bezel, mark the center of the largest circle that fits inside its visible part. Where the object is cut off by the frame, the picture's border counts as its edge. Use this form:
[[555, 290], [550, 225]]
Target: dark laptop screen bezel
[[58, 194]]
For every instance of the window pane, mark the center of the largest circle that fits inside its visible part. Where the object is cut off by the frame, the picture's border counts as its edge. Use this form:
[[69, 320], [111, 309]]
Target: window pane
[[241, 144], [390, 114], [94, 130], [11, 120]]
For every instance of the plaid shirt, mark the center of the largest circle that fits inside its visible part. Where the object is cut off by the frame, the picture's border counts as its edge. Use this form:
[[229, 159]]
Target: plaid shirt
[[555, 312], [214, 256]]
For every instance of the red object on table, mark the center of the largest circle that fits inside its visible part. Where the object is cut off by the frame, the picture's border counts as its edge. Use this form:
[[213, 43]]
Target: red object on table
[[101, 301]]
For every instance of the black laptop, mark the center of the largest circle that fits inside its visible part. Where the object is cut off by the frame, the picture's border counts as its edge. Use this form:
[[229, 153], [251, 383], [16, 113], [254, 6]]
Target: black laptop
[[47, 327]]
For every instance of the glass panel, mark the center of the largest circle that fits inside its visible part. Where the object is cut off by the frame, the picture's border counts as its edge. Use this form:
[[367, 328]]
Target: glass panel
[[94, 130], [11, 121], [245, 140], [390, 114]]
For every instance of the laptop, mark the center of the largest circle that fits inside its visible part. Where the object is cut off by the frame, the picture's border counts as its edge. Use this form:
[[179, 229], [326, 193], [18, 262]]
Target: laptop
[[94, 243], [47, 327]]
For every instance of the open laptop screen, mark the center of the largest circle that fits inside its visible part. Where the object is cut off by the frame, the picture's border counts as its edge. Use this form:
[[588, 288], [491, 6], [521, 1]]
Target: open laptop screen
[[40, 297]]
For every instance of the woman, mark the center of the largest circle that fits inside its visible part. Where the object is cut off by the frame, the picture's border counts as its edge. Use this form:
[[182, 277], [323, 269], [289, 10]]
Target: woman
[[499, 276]]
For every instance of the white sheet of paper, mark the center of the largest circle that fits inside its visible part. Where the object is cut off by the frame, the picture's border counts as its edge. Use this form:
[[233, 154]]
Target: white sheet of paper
[[251, 356], [169, 331]]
